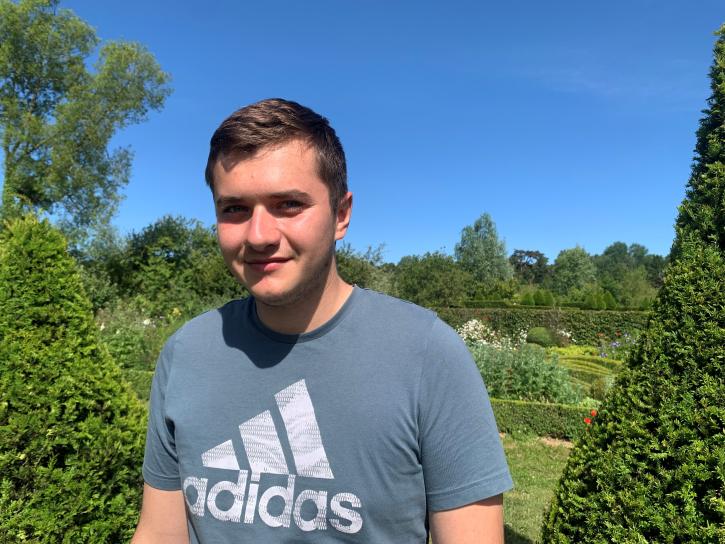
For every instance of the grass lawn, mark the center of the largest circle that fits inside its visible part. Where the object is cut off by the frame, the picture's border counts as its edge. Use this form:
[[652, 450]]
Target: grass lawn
[[536, 465]]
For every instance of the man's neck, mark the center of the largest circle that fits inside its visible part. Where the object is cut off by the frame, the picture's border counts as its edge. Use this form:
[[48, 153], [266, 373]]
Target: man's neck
[[309, 313]]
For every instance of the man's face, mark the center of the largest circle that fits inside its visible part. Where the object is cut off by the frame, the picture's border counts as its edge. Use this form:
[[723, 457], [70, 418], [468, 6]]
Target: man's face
[[276, 229]]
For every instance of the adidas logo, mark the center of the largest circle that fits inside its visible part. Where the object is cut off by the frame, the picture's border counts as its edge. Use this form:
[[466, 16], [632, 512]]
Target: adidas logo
[[265, 455]]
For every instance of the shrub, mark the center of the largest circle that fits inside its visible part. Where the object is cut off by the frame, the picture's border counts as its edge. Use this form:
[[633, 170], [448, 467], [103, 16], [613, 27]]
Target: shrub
[[525, 373], [132, 336], [527, 299], [541, 336], [652, 466], [71, 430], [543, 297], [564, 421]]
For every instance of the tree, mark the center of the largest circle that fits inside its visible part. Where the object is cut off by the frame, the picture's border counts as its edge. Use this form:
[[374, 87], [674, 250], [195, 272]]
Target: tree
[[482, 254], [650, 466], [71, 430], [363, 269], [432, 280], [174, 262], [573, 269], [618, 264], [57, 118], [529, 266]]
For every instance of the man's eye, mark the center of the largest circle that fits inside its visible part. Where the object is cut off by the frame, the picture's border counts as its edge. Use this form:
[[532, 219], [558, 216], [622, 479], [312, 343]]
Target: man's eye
[[291, 205], [235, 208]]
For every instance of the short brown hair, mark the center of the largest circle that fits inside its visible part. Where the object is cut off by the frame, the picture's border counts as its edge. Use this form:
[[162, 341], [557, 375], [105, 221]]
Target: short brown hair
[[276, 121]]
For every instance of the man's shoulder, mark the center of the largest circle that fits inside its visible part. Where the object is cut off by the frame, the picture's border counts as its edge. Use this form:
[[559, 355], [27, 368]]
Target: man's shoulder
[[210, 323], [397, 315]]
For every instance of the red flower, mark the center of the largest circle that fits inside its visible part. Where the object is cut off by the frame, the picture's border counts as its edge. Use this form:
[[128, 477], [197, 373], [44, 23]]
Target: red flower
[[588, 420], [594, 413]]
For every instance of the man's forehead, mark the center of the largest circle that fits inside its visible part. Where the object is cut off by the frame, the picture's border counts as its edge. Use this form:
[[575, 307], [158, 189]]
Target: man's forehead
[[227, 161]]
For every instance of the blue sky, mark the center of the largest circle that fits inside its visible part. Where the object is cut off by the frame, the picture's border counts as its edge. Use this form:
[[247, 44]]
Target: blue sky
[[569, 122]]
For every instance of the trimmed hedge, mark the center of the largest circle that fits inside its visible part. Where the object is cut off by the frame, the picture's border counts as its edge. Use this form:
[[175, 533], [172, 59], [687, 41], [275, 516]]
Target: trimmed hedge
[[584, 325], [71, 429], [652, 467], [563, 421]]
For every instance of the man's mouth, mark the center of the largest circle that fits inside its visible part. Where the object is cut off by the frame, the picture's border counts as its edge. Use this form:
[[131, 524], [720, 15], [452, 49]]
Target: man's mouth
[[266, 265]]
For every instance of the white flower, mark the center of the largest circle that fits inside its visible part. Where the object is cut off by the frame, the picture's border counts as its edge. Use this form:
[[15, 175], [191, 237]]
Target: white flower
[[146, 322]]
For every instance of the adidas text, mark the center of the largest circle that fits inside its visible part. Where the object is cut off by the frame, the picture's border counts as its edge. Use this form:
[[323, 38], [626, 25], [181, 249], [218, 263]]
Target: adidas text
[[249, 501]]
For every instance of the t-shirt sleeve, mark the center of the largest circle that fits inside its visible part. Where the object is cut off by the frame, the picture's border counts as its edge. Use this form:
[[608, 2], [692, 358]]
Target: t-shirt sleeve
[[160, 465], [461, 452]]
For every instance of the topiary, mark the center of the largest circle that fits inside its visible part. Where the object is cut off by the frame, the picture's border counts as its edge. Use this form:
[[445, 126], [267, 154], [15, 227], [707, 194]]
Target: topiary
[[651, 467], [71, 430], [541, 336], [609, 301], [527, 299]]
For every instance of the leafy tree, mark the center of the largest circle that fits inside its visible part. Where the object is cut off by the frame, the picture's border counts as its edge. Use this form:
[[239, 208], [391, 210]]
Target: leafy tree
[[636, 290], [432, 280], [71, 431], [651, 466], [175, 262], [364, 269], [482, 254], [617, 264], [57, 118], [529, 266], [573, 269]]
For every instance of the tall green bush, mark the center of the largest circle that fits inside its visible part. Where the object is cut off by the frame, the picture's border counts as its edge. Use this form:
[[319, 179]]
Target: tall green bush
[[71, 430], [652, 466]]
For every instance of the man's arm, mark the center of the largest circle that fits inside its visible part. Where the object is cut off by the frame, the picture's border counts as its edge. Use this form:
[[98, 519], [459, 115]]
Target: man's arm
[[163, 518], [477, 523]]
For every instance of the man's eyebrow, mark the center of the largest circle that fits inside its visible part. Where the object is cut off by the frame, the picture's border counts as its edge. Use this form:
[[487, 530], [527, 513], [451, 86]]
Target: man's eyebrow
[[291, 194]]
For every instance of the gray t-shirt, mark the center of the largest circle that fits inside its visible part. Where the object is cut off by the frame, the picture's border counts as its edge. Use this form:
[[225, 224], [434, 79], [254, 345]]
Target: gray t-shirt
[[348, 433]]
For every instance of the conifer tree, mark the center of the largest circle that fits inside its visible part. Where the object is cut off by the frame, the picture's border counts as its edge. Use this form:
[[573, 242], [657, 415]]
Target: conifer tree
[[651, 467], [71, 431]]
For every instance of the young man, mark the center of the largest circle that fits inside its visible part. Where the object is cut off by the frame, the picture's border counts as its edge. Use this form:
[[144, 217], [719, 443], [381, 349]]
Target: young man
[[312, 411]]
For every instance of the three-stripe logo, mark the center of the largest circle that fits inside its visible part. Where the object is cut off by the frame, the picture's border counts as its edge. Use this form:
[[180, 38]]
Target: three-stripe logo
[[265, 455]]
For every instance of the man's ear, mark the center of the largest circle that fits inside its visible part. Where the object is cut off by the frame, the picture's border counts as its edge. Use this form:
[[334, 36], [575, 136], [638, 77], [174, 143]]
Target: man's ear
[[342, 216]]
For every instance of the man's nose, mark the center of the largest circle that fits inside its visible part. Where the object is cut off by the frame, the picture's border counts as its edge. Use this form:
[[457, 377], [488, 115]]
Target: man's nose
[[263, 229]]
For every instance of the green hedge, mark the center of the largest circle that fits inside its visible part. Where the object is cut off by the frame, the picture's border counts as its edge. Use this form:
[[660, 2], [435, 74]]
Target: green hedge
[[584, 325], [541, 419]]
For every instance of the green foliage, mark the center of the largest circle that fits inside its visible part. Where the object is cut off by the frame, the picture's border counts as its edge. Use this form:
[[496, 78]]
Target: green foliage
[[573, 269], [541, 336], [482, 254], [140, 381], [586, 327], [133, 338], [529, 266], [432, 279], [652, 466], [71, 430], [173, 265], [543, 297], [364, 269], [524, 373], [57, 118], [527, 299], [540, 418], [702, 212]]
